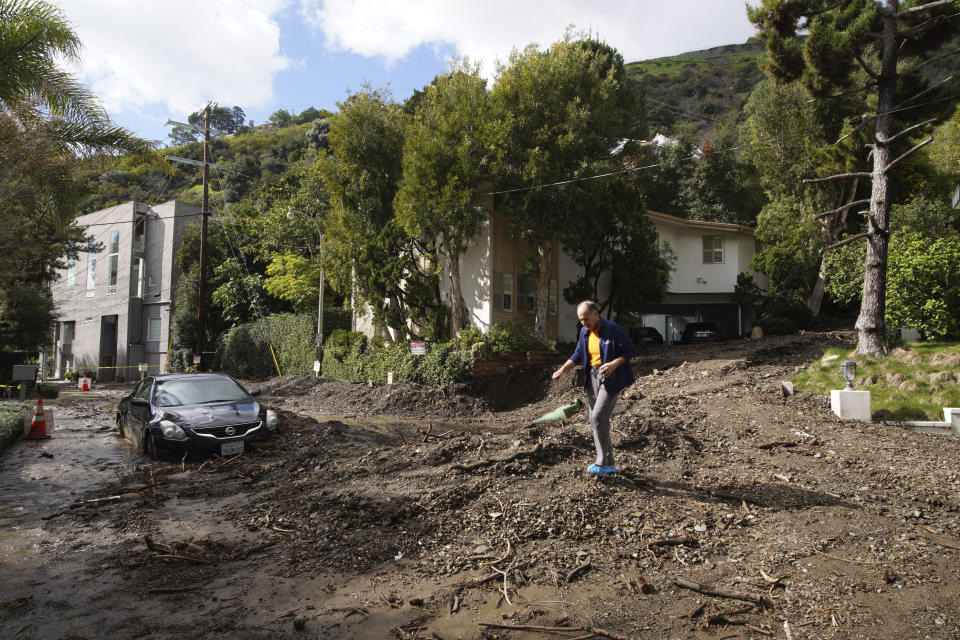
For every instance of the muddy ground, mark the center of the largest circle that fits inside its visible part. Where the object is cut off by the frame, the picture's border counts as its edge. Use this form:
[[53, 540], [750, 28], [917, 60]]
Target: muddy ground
[[355, 520]]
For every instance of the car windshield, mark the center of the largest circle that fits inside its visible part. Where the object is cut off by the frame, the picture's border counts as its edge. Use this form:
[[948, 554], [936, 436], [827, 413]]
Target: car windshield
[[181, 391]]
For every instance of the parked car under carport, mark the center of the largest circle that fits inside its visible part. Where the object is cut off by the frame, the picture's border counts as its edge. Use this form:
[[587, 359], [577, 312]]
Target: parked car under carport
[[203, 413]]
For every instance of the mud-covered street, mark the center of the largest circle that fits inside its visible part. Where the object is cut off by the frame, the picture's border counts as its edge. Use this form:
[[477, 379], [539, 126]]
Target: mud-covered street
[[407, 512]]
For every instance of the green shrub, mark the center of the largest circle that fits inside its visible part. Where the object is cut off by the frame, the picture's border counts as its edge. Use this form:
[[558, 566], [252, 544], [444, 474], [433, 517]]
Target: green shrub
[[350, 356], [777, 326], [500, 341], [11, 421], [180, 360], [244, 351], [336, 318], [48, 390]]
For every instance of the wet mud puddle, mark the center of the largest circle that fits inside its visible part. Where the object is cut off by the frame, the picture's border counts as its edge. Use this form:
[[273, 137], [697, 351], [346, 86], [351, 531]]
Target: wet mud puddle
[[39, 478]]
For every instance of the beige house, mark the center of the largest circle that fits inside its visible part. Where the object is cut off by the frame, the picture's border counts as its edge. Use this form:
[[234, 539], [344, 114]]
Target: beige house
[[709, 256]]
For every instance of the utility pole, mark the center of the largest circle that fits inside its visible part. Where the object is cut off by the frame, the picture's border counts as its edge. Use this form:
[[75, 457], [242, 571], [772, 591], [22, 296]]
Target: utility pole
[[204, 214]]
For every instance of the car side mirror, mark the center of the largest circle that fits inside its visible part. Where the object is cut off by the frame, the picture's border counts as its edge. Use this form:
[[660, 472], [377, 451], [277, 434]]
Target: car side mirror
[[254, 392], [139, 402]]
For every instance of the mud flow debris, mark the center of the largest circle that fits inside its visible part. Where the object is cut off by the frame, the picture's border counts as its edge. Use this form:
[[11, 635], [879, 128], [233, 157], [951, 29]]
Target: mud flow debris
[[408, 512]]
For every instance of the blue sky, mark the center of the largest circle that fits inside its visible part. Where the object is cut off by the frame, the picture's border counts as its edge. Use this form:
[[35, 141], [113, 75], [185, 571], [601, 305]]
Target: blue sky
[[149, 61]]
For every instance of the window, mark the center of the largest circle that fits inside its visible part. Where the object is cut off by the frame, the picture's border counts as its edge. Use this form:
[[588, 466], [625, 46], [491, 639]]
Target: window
[[712, 249], [71, 279], [552, 299], [143, 390], [527, 294], [138, 277], [138, 232], [508, 292], [502, 291], [91, 268], [69, 329], [113, 262], [153, 329]]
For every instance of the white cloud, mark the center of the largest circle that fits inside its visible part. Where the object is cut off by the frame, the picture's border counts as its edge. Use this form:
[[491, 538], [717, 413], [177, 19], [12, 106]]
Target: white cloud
[[486, 31], [178, 53]]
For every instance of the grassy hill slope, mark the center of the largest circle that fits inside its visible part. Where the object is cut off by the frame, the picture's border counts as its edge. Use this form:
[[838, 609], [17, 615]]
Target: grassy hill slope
[[699, 87]]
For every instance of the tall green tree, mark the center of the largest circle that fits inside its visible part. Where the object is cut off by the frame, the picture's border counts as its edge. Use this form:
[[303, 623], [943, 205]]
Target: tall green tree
[[366, 251], [889, 42], [445, 160], [558, 114], [788, 138]]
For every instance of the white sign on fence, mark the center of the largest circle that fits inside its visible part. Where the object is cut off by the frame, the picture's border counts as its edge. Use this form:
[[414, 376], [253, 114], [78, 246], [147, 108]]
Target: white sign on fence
[[418, 347]]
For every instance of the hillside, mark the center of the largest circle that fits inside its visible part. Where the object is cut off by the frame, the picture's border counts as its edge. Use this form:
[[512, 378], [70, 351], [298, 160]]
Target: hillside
[[698, 87]]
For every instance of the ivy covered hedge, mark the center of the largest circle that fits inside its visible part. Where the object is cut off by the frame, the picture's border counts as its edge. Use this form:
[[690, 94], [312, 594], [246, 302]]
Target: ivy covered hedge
[[244, 351], [11, 421], [349, 355]]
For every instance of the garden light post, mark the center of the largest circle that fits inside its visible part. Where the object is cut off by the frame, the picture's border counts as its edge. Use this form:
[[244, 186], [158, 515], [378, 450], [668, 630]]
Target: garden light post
[[848, 371]]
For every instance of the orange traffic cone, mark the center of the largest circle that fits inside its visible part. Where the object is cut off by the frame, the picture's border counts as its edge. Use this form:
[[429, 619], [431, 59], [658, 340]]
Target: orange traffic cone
[[38, 426], [84, 383]]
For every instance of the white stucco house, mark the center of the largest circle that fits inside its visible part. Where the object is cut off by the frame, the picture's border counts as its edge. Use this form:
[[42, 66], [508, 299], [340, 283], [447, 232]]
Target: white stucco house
[[709, 256]]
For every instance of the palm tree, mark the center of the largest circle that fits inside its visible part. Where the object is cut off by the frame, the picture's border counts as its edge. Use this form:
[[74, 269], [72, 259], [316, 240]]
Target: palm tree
[[37, 95], [48, 122]]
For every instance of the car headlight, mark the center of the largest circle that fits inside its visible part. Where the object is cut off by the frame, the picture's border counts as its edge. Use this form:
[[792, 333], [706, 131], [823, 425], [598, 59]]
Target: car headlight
[[172, 431], [271, 420]]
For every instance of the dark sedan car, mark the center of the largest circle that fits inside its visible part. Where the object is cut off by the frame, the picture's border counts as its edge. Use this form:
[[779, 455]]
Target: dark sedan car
[[644, 335], [700, 332], [205, 413]]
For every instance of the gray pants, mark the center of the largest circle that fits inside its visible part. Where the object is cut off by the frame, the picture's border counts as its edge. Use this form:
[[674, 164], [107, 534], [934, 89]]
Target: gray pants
[[601, 406]]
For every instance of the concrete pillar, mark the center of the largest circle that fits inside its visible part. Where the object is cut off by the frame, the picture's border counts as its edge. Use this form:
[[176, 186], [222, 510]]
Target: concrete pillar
[[850, 404]]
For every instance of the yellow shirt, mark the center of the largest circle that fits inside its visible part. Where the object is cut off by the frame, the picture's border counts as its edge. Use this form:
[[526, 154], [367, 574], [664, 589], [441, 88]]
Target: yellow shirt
[[593, 349]]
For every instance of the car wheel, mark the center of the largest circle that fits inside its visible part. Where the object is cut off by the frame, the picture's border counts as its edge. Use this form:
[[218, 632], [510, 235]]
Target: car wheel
[[120, 430], [150, 444]]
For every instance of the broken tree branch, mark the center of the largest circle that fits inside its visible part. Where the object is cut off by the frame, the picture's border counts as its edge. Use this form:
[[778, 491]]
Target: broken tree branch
[[915, 148], [669, 542], [952, 52], [870, 72], [845, 242], [722, 593], [909, 129], [917, 96], [583, 567], [855, 174], [470, 466], [922, 7], [923, 27], [778, 443], [597, 631], [841, 209]]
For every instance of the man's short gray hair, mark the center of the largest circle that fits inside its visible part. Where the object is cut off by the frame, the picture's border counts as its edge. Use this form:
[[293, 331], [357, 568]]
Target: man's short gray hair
[[590, 306]]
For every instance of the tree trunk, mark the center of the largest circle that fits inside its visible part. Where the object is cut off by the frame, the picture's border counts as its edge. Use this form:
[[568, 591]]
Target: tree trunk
[[545, 255], [461, 317], [871, 326]]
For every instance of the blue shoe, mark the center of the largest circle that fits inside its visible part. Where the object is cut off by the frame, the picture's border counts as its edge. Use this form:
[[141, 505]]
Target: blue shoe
[[596, 470], [609, 470]]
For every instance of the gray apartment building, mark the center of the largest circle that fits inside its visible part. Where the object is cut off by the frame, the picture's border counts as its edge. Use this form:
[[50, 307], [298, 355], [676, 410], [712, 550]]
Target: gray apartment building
[[113, 306]]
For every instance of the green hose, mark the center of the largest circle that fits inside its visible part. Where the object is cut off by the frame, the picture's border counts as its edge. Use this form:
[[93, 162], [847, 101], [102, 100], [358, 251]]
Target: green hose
[[560, 413]]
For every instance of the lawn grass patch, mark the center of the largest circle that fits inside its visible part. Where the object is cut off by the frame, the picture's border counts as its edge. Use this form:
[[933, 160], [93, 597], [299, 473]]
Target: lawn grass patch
[[11, 421], [915, 382]]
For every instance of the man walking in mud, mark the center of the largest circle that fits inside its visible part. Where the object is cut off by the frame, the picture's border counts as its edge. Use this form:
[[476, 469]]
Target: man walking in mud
[[603, 350]]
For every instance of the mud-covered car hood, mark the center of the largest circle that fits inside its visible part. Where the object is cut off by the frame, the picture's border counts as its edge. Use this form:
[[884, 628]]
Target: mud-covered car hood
[[212, 415]]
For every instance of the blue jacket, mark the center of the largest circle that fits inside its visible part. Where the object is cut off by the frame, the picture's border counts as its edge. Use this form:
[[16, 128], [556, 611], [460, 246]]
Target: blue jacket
[[614, 342]]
